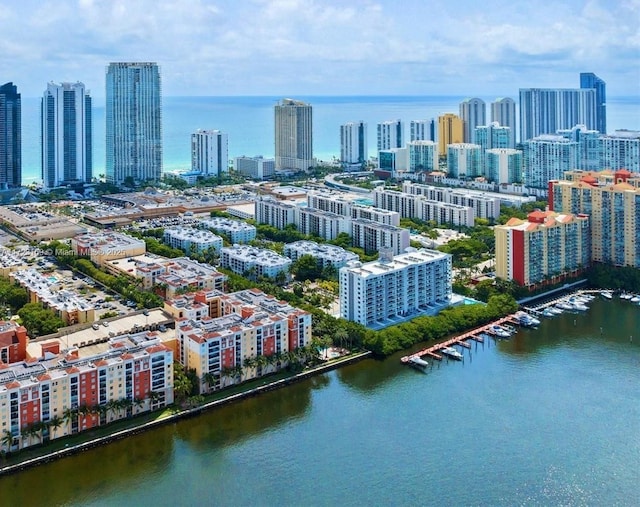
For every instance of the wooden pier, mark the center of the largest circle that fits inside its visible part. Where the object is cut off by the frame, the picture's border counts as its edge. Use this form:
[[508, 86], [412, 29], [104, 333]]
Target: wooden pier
[[461, 340]]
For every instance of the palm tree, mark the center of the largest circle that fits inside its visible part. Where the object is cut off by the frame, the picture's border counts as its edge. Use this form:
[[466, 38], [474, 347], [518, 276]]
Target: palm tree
[[55, 423], [209, 379], [7, 439], [237, 373], [69, 414], [227, 373], [138, 402], [261, 362]]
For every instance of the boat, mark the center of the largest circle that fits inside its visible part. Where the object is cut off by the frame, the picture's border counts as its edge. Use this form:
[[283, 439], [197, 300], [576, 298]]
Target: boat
[[578, 305], [564, 305], [500, 332], [548, 312], [452, 353], [418, 363], [555, 310], [526, 320], [607, 294], [635, 299], [626, 295]]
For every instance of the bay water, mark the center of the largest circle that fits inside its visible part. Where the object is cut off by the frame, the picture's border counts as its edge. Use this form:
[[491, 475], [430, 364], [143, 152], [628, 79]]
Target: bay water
[[549, 417], [249, 121]]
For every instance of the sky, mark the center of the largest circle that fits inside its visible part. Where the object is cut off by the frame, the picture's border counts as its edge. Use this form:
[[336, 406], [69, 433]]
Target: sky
[[325, 47]]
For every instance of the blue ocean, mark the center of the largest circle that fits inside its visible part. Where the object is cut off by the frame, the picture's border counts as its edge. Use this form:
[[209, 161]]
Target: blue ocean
[[249, 123]]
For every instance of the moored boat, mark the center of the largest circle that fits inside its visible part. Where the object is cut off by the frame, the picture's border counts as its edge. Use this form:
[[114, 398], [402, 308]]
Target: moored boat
[[452, 353]]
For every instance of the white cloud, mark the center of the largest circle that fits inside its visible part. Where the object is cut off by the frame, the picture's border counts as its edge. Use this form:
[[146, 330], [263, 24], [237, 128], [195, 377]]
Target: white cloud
[[325, 46]]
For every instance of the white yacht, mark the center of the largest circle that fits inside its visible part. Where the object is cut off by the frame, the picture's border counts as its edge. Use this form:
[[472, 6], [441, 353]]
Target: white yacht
[[500, 332], [452, 353]]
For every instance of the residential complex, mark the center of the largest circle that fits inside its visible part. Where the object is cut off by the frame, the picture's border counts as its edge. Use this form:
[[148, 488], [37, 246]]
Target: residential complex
[[473, 113], [353, 144], [133, 122], [484, 204], [375, 237], [10, 136], [423, 130], [450, 131], [390, 135], [69, 306], [168, 276], [503, 111], [422, 156], [13, 342], [237, 336], [544, 248], [257, 262], [464, 160], [66, 134], [293, 136], [210, 153], [503, 165], [104, 246], [588, 80], [258, 168], [63, 391], [612, 201], [191, 240], [545, 111], [236, 230], [418, 206], [548, 157], [392, 289], [325, 255]]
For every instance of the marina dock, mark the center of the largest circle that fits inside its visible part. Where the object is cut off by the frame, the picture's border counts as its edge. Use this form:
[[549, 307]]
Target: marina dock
[[462, 340]]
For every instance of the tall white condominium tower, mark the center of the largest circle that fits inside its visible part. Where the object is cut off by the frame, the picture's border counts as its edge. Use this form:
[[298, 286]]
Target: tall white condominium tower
[[474, 114], [503, 111], [390, 135], [545, 111], [134, 122], [353, 143], [547, 158], [66, 134], [423, 130], [209, 152], [294, 135]]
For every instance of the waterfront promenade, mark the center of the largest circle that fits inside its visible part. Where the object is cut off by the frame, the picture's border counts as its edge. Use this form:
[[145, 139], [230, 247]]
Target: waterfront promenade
[[61, 447]]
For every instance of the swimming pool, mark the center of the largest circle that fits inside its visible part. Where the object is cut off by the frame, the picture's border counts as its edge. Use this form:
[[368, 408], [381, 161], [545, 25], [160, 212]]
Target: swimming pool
[[52, 279]]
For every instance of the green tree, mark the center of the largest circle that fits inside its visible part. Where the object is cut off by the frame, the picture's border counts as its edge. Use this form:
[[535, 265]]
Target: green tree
[[306, 268], [38, 320]]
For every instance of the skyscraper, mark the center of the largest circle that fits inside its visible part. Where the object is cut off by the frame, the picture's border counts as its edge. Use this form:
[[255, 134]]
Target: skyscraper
[[588, 80], [353, 143], [10, 136], [210, 152], [474, 114], [423, 130], [66, 134], [293, 135], [547, 158], [545, 111], [503, 111], [134, 122], [450, 131], [390, 135]]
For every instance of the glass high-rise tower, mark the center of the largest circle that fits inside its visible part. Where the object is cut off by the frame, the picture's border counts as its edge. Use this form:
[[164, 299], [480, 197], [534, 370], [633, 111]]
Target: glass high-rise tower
[[10, 136], [293, 135], [588, 80], [66, 134], [134, 122]]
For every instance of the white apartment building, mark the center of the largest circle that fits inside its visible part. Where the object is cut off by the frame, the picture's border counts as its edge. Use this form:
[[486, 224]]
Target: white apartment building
[[379, 215], [418, 206], [503, 165], [326, 255], [243, 259], [423, 130], [464, 160], [277, 213], [237, 231], [373, 237], [390, 135], [353, 143], [209, 152], [620, 150], [548, 157], [484, 205], [190, 239], [422, 156], [390, 290], [258, 168], [323, 224]]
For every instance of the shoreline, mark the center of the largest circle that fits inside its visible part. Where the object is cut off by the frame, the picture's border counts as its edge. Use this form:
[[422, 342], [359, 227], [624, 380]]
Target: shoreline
[[182, 414]]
